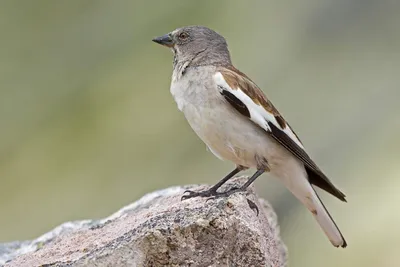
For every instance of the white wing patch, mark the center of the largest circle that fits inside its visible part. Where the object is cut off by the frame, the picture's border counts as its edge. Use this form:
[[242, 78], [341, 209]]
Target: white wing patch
[[258, 114]]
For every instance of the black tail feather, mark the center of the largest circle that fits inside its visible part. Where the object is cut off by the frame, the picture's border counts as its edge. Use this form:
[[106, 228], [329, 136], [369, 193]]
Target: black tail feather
[[324, 184]]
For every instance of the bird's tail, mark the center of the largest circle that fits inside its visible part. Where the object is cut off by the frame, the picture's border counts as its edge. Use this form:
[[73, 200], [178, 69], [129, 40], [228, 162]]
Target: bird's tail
[[327, 223], [304, 191]]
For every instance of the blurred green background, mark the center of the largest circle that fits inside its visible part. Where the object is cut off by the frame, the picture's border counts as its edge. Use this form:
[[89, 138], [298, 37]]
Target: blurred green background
[[88, 123]]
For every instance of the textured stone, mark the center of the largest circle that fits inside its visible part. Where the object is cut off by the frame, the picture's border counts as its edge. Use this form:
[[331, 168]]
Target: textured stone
[[161, 230]]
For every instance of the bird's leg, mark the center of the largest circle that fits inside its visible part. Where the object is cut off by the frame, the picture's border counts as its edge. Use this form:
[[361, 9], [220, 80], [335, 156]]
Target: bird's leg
[[252, 179], [213, 190], [240, 189]]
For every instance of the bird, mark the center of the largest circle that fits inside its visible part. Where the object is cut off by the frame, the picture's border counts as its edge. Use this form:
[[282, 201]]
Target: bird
[[238, 123]]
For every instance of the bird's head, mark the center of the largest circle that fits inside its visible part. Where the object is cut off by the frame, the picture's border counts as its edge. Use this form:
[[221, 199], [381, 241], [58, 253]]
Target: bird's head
[[197, 44]]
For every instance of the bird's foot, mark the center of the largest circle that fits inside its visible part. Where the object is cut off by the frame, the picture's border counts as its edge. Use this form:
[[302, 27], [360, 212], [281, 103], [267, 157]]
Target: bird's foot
[[191, 194], [228, 193], [211, 193], [232, 191]]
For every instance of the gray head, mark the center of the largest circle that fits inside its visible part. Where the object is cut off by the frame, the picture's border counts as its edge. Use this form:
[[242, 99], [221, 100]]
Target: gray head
[[196, 46]]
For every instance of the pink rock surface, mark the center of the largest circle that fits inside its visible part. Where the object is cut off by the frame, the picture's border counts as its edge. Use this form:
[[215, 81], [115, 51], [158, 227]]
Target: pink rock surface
[[162, 230]]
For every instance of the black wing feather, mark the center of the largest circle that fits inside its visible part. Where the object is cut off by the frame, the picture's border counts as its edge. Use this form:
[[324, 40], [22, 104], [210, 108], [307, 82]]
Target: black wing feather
[[236, 103], [315, 175]]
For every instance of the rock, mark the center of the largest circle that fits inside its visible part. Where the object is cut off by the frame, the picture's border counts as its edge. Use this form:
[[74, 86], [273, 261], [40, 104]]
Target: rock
[[161, 230]]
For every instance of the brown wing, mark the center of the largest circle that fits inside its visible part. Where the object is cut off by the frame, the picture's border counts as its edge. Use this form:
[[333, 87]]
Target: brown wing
[[239, 81]]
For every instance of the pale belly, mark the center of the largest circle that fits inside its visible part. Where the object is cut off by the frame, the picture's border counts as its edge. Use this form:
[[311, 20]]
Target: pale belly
[[230, 136]]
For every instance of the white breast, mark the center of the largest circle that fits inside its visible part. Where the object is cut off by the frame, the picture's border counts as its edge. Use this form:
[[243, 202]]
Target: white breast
[[227, 134]]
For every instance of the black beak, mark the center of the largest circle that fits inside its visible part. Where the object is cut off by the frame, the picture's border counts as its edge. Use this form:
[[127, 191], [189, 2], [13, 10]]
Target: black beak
[[165, 40]]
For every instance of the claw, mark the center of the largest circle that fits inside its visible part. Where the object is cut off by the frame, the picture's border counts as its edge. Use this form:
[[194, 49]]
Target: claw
[[211, 194], [191, 194], [210, 198], [225, 194], [253, 206]]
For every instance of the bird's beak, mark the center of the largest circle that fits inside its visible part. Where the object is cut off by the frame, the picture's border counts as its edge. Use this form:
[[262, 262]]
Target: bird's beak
[[165, 40]]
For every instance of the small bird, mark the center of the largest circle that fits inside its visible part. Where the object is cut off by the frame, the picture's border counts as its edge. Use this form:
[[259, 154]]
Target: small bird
[[237, 122]]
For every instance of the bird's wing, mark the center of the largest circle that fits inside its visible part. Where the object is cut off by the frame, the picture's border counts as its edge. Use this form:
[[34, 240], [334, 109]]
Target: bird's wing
[[245, 96]]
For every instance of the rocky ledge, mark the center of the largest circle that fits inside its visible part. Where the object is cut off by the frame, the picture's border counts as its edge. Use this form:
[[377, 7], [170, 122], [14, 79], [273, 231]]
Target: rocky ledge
[[161, 230]]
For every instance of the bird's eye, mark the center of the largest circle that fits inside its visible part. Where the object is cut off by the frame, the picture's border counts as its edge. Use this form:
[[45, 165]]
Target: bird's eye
[[183, 36]]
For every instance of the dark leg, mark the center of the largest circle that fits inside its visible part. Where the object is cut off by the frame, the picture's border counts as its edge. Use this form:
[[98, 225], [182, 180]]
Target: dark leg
[[252, 179], [241, 189], [213, 190]]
